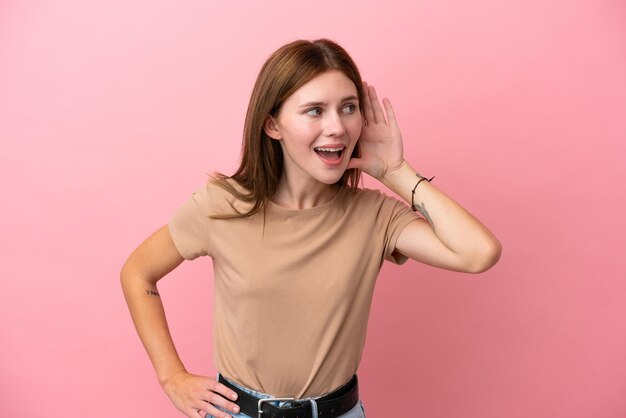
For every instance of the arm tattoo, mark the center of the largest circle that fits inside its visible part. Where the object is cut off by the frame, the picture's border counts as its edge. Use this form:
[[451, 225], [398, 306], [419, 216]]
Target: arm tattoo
[[421, 208], [152, 293]]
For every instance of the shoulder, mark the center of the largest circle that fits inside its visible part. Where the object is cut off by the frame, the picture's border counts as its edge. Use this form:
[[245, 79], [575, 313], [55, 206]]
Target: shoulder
[[364, 196], [363, 203], [225, 196], [374, 202]]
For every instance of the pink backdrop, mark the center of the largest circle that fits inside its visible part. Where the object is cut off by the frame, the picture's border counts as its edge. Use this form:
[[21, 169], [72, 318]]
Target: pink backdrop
[[111, 113]]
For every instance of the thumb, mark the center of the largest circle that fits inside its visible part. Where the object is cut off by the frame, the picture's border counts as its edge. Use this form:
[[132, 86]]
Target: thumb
[[355, 163]]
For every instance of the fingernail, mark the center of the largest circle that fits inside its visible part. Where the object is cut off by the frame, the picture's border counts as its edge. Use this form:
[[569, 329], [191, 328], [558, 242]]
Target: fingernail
[[234, 396], [236, 409]]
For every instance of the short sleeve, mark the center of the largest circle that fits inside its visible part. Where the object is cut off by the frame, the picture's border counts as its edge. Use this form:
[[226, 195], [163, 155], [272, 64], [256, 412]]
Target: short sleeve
[[190, 223], [398, 215]]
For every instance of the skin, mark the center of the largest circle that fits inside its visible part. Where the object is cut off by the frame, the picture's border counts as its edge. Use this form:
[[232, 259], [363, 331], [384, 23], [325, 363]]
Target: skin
[[306, 180], [147, 264], [448, 237]]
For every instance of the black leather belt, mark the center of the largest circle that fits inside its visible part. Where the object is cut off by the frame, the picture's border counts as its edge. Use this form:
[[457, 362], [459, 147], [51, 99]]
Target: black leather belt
[[330, 405]]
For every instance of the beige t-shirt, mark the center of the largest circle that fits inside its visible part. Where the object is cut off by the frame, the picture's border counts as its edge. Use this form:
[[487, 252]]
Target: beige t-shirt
[[292, 299]]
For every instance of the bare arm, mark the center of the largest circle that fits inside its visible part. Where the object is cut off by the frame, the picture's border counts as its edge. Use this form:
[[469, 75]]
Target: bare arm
[[448, 236], [147, 264]]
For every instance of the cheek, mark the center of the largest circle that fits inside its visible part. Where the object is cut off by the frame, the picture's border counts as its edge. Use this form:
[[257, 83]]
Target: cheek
[[293, 132], [304, 132], [355, 128]]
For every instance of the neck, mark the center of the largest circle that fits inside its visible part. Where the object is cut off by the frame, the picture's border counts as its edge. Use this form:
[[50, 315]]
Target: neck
[[307, 196]]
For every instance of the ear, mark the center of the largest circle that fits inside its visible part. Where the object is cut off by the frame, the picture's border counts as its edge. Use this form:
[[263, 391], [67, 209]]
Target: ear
[[271, 128]]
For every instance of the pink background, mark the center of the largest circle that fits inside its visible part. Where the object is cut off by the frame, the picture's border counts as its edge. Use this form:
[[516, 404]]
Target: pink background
[[112, 112]]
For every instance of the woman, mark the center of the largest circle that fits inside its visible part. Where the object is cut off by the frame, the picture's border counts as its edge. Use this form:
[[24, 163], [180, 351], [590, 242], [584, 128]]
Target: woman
[[297, 246]]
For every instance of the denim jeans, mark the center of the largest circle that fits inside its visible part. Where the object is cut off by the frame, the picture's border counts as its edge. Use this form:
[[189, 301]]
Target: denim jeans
[[357, 412]]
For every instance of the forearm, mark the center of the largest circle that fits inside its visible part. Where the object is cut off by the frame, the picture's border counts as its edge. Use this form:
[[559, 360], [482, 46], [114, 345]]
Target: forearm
[[146, 309], [455, 227]]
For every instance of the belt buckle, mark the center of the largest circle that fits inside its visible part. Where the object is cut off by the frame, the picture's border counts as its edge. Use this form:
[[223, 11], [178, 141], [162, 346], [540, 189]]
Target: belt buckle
[[261, 401]]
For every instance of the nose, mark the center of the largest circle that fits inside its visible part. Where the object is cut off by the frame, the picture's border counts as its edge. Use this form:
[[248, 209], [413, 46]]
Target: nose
[[334, 124]]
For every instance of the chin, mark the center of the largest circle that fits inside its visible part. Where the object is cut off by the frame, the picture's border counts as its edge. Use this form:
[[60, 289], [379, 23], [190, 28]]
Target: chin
[[331, 180]]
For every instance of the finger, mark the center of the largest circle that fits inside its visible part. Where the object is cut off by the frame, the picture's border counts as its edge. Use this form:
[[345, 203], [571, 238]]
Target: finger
[[391, 116], [217, 399], [379, 116], [223, 390], [355, 163], [367, 105], [194, 412], [209, 410]]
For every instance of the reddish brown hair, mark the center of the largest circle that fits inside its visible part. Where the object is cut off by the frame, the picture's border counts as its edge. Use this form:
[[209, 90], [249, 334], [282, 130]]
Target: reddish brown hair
[[285, 71]]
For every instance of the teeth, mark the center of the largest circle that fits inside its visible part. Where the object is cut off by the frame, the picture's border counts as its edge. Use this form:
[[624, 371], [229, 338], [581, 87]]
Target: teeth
[[329, 149]]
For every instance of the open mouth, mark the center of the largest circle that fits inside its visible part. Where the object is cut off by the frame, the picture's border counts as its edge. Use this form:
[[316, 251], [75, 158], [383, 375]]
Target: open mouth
[[329, 153]]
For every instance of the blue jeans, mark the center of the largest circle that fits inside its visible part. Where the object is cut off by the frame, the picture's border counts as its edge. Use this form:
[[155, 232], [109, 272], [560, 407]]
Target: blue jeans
[[357, 412]]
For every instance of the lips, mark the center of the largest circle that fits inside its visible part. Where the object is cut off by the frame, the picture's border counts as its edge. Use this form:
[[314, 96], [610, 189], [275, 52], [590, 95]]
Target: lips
[[331, 154]]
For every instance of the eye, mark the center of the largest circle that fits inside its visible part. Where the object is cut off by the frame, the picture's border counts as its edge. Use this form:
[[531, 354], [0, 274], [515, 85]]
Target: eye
[[315, 109], [351, 106]]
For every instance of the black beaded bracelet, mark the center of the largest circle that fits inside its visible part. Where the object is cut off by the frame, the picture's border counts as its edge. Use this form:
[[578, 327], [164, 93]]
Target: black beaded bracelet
[[413, 191]]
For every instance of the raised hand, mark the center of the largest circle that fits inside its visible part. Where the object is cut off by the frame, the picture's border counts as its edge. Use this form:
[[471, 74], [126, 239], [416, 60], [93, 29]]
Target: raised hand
[[192, 394], [380, 140]]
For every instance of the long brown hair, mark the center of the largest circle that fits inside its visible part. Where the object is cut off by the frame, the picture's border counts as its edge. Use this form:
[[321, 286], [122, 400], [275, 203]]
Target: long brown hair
[[285, 71]]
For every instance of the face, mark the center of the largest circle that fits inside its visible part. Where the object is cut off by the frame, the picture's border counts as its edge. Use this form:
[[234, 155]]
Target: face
[[318, 127]]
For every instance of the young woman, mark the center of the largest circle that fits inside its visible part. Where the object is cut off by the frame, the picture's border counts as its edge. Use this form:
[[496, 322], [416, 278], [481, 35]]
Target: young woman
[[297, 245]]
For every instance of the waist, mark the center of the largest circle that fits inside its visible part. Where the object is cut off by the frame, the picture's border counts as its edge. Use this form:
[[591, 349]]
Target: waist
[[305, 371], [330, 405]]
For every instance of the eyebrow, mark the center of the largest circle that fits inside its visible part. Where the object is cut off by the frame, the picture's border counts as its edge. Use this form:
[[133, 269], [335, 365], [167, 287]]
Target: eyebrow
[[352, 97]]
